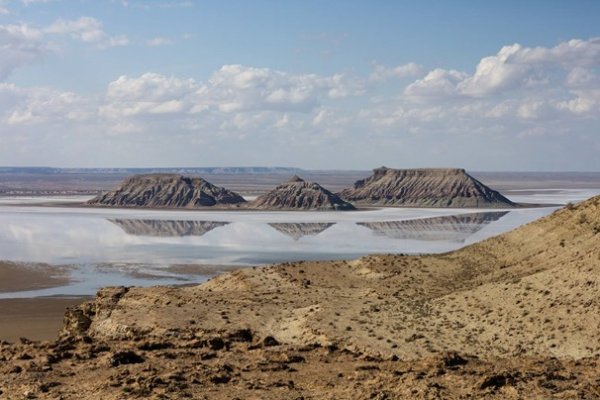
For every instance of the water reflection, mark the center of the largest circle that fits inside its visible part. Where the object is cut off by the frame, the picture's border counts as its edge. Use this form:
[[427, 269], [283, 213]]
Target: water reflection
[[166, 228], [107, 247], [455, 228], [297, 230]]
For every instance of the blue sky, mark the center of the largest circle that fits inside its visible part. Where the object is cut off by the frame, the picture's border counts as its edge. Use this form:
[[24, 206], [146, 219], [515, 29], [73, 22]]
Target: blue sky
[[511, 85]]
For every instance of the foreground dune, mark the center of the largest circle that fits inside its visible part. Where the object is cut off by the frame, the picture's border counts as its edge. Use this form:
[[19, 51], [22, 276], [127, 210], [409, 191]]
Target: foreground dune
[[515, 316]]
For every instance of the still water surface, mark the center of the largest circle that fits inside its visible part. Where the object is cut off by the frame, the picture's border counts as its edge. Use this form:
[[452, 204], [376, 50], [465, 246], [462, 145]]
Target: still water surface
[[149, 247]]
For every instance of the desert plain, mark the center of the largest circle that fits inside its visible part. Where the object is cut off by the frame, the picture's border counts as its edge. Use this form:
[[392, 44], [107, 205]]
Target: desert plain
[[513, 316]]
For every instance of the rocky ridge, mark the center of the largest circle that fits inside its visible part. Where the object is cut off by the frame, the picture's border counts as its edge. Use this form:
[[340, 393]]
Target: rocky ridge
[[297, 194], [424, 188], [167, 191]]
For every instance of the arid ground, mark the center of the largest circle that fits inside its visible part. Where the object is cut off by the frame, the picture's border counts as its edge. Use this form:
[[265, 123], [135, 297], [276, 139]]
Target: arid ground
[[515, 316]]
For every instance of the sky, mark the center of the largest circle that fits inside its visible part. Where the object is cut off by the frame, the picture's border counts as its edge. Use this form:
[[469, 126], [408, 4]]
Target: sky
[[341, 84]]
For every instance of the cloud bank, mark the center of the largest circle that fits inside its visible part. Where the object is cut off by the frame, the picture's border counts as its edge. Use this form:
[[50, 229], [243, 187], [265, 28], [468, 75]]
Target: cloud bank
[[522, 103]]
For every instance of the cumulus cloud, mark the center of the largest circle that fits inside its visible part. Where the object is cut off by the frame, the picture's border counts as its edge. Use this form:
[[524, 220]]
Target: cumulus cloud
[[580, 77], [237, 87], [519, 94], [87, 30], [27, 106], [514, 68], [496, 73], [23, 44], [148, 94], [20, 45], [500, 89], [382, 73], [437, 83], [233, 88], [584, 102]]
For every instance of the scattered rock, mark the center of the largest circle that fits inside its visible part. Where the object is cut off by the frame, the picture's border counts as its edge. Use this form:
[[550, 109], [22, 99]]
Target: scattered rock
[[453, 360], [241, 335], [220, 379], [497, 381], [270, 341], [125, 357], [216, 343], [15, 370]]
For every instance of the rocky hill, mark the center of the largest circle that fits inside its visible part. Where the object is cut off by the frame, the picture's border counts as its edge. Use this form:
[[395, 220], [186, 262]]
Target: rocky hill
[[515, 316], [166, 191], [424, 188], [297, 194]]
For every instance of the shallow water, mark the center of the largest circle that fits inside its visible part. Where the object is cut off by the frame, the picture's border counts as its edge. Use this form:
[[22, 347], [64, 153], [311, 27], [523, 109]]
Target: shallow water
[[140, 247]]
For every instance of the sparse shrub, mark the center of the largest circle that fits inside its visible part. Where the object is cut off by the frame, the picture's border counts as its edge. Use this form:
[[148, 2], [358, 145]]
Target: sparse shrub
[[583, 219], [562, 243], [570, 206]]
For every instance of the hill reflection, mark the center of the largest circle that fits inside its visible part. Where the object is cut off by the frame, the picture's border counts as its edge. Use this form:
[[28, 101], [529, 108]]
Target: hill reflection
[[455, 228], [165, 228]]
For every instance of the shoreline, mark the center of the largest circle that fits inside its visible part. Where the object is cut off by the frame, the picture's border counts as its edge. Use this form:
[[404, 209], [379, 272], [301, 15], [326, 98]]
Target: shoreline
[[359, 207], [25, 276]]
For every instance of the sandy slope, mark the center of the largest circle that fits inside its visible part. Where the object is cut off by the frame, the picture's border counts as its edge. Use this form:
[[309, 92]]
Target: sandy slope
[[524, 303]]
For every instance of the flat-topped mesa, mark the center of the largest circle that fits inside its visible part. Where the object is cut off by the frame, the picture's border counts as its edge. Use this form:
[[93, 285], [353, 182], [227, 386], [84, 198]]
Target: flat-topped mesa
[[381, 171], [297, 194], [424, 187], [166, 191]]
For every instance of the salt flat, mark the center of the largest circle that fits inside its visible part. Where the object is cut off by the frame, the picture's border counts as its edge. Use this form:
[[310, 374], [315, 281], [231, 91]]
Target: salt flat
[[140, 247]]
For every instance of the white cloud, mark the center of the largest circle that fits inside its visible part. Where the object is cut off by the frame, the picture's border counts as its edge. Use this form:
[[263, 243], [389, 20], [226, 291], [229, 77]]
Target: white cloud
[[584, 102], [232, 88], [23, 44], [572, 53], [496, 73], [19, 45], [321, 116], [513, 68], [437, 83], [534, 95], [26, 106], [148, 94], [534, 109], [150, 86], [580, 77], [237, 87], [88, 30], [382, 73]]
